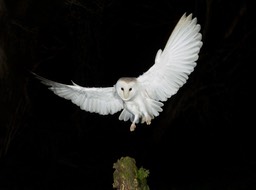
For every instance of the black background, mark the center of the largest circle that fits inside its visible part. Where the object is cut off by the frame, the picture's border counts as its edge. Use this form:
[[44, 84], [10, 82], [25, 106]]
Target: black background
[[203, 139]]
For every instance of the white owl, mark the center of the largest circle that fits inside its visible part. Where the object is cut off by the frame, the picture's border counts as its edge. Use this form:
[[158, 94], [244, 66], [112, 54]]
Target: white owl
[[140, 99]]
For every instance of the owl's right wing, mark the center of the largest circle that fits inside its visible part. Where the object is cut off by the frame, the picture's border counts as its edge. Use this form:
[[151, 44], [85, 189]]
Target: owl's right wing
[[98, 100], [174, 64]]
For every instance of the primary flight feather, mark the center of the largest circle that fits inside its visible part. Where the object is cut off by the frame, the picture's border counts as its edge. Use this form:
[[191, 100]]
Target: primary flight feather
[[140, 99]]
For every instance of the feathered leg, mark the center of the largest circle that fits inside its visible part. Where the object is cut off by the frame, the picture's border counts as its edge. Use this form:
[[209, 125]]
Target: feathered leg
[[133, 126], [146, 118]]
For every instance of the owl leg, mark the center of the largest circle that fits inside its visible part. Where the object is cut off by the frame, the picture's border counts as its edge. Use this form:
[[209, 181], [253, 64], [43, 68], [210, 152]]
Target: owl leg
[[133, 126], [146, 118]]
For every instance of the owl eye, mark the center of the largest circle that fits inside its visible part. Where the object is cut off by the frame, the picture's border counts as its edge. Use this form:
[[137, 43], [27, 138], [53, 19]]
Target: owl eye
[[130, 89], [122, 89]]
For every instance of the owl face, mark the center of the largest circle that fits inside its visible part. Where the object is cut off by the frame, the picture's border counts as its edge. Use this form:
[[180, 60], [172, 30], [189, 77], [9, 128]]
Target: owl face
[[126, 88]]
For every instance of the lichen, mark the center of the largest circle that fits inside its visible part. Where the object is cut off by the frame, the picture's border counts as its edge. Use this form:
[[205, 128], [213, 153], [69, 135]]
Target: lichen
[[128, 177]]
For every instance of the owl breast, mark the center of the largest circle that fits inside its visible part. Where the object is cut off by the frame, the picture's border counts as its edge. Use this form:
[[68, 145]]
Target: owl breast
[[143, 109]]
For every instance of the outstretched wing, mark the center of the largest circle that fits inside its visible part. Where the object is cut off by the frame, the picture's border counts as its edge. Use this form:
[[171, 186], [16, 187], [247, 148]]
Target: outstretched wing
[[177, 60], [99, 100]]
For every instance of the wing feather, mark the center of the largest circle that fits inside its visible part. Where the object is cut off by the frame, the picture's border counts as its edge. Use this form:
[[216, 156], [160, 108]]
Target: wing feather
[[126, 115], [98, 100], [175, 63]]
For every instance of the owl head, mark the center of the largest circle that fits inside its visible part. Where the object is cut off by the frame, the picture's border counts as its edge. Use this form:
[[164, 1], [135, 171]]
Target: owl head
[[126, 88]]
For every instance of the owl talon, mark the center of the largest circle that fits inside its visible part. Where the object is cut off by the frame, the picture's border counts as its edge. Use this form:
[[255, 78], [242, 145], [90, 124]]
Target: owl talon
[[133, 126], [143, 120], [148, 121]]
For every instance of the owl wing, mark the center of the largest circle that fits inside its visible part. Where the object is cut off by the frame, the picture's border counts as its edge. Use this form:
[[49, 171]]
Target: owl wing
[[173, 65], [99, 100]]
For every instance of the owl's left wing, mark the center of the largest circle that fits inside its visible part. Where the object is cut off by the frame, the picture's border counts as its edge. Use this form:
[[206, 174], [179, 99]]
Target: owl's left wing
[[99, 100], [177, 60]]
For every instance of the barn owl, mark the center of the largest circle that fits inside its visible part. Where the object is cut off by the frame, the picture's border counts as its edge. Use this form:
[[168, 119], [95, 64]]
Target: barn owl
[[140, 99]]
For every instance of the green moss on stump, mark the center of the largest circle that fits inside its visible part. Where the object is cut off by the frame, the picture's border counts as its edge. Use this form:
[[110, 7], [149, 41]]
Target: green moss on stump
[[128, 177]]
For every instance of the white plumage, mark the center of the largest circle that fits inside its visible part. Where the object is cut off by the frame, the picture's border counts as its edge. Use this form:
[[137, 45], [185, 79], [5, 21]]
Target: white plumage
[[140, 99]]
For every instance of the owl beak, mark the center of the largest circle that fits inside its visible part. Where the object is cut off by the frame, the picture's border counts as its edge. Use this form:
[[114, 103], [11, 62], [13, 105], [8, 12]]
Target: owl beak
[[126, 95]]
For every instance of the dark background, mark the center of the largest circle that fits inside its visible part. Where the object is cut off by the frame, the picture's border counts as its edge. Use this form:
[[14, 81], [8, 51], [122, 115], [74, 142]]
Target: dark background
[[203, 139]]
